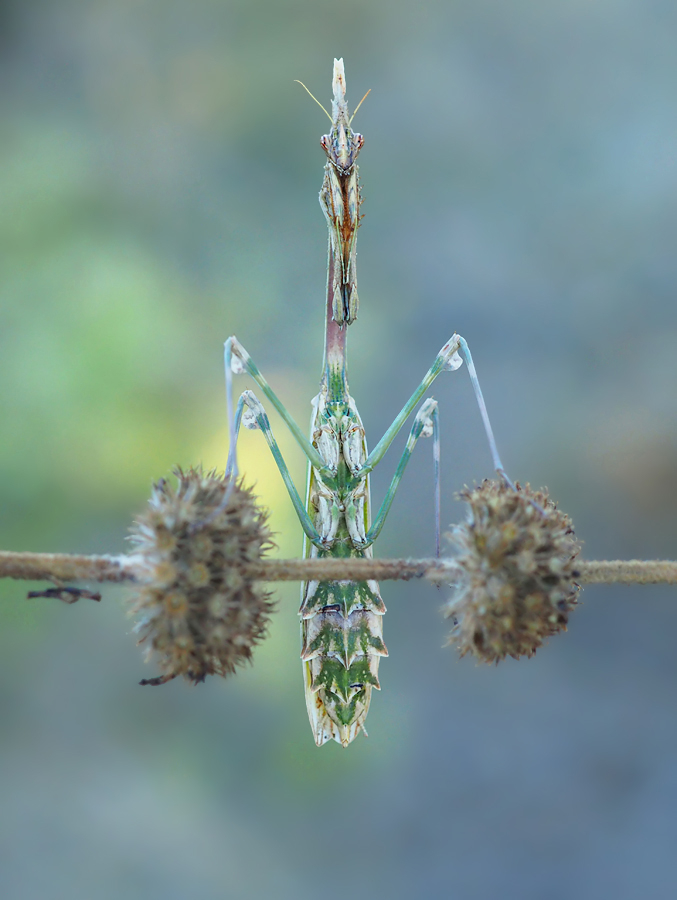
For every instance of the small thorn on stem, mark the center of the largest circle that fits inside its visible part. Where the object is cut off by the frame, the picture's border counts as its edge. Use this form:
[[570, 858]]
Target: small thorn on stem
[[65, 594], [160, 679]]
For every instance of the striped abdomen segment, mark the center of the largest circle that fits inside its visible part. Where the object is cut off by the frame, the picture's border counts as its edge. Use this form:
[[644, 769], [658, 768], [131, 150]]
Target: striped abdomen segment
[[342, 628]]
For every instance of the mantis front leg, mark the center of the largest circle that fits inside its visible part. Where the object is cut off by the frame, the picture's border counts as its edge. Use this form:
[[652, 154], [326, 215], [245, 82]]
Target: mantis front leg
[[340, 201]]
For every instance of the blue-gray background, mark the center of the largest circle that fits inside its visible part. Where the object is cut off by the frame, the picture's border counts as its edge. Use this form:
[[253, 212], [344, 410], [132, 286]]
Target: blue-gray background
[[159, 172]]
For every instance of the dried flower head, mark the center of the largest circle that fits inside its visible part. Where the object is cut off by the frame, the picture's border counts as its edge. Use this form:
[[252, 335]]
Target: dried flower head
[[516, 584], [197, 611]]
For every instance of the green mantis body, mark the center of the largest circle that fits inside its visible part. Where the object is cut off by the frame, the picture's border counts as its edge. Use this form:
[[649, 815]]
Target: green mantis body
[[341, 621]]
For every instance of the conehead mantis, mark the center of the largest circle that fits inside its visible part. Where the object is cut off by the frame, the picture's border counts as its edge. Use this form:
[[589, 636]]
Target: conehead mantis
[[342, 621]]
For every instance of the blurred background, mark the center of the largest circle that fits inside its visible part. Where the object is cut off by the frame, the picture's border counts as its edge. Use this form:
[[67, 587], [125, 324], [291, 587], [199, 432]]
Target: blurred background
[[159, 173]]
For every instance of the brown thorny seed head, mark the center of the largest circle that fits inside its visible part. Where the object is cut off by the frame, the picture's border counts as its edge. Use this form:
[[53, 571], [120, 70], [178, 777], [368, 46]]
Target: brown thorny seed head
[[516, 584], [197, 613]]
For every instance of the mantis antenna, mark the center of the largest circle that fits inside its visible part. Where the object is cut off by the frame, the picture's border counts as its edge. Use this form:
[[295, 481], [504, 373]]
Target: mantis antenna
[[317, 101], [350, 120]]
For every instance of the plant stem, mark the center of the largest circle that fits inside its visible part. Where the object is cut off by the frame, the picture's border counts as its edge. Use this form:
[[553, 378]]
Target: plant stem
[[628, 571], [63, 567]]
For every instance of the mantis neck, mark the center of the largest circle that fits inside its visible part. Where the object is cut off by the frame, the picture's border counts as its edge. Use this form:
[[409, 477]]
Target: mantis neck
[[335, 375]]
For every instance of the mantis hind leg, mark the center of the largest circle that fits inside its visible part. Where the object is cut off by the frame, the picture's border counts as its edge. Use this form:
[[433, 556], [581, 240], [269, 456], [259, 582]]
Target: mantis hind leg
[[237, 362], [498, 465], [425, 424], [436, 478], [255, 418], [450, 358]]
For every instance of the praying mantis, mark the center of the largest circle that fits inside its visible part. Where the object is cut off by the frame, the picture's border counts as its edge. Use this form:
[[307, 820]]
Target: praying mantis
[[342, 621]]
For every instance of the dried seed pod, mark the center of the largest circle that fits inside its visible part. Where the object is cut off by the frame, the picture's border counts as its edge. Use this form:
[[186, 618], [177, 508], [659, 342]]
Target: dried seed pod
[[196, 610], [516, 584]]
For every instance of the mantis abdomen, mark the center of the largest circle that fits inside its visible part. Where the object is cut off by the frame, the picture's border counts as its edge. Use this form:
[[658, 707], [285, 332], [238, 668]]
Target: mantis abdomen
[[341, 621]]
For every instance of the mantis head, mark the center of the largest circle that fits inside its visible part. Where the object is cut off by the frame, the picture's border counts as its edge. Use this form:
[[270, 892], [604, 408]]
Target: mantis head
[[342, 144]]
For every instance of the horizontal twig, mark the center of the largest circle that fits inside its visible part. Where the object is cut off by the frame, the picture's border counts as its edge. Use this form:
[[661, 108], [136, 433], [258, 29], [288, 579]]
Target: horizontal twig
[[64, 567], [354, 569], [61, 568], [628, 571], [439, 571]]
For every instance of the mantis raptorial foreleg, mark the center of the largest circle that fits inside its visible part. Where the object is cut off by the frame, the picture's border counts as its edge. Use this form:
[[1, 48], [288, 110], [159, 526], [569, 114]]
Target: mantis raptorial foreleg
[[331, 201], [340, 201]]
